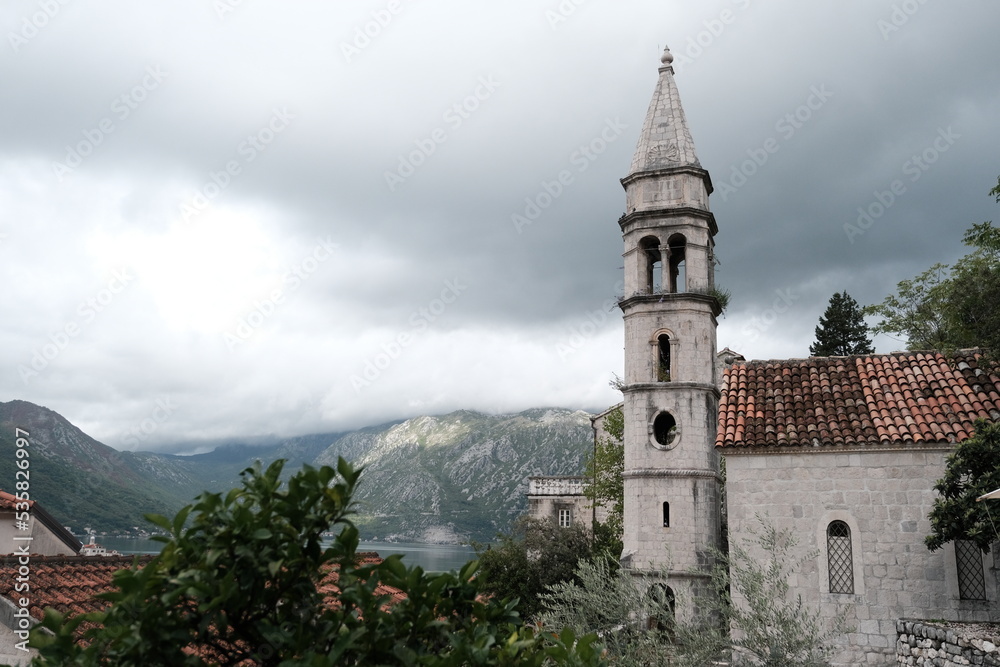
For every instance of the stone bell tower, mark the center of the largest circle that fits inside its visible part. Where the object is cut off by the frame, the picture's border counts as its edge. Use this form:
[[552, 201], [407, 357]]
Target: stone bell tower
[[672, 482]]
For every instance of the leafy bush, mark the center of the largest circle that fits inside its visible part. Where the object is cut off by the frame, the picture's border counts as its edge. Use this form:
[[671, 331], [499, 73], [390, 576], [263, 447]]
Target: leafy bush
[[240, 581], [764, 626], [536, 555]]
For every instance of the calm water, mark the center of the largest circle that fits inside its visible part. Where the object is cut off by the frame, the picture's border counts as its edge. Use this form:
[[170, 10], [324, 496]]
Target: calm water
[[431, 557]]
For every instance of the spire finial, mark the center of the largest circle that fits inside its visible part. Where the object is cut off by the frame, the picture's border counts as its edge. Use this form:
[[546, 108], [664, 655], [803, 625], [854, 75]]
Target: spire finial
[[667, 57]]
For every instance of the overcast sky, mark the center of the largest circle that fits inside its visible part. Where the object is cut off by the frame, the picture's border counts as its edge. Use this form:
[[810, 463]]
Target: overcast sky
[[230, 218]]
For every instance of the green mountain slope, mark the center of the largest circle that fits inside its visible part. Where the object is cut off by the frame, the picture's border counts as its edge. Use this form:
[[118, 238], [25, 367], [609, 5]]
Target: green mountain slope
[[451, 478], [78, 480], [460, 476]]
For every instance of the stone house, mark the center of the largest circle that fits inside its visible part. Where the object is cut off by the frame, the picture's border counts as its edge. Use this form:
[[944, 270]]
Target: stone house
[[562, 499], [39, 532], [844, 452]]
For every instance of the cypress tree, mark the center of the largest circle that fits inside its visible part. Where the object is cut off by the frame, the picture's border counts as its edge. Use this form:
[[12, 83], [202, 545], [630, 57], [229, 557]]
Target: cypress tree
[[842, 330]]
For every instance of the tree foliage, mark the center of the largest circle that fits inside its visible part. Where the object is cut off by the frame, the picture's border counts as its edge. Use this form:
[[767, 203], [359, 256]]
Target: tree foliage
[[605, 599], [749, 594], [772, 627], [842, 330], [972, 469], [537, 554], [604, 484], [951, 307], [238, 582]]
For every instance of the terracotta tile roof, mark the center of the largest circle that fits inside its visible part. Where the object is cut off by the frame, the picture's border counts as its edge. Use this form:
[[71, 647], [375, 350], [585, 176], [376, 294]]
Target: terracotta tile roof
[[918, 397], [65, 583], [8, 501], [328, 587], [69, 583]]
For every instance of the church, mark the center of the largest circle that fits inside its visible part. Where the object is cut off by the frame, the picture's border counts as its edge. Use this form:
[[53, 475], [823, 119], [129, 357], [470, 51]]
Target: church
[[842, 451]]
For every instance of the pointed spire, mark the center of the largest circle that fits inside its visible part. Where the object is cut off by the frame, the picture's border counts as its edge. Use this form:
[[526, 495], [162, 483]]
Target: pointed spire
[[665, 140]]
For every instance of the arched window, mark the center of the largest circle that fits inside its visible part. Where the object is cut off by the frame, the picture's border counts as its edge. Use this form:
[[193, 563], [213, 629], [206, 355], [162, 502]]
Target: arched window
[[666, 515], [652, 264], [840, 557], [663, 605], [663, 358], [678, 267]]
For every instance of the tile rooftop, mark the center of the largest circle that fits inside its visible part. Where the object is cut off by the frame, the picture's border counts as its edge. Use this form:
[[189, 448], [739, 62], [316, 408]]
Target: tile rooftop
[[65, 583], [69, 583], [903, 397]]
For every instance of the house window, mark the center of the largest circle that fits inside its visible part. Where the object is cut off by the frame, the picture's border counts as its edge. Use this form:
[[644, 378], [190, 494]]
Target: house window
[[565, 518], [663, 358], [840, 557], [666, 515], [971, 581]]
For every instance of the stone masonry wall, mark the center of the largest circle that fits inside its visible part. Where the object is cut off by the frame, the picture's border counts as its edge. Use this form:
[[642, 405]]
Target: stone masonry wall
[[923, 644], [884, 496]]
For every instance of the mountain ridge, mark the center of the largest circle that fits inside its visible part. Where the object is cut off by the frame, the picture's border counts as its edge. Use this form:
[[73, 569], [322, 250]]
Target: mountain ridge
[[444, 478]]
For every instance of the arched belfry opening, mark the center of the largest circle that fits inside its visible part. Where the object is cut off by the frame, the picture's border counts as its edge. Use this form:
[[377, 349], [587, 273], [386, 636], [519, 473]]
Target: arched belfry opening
[[678, 267], [663, 358], [652, 262]]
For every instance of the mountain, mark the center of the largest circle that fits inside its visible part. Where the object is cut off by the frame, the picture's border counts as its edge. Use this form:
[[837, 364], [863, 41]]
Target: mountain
[[450, 478], [78, 480], [461, 476]]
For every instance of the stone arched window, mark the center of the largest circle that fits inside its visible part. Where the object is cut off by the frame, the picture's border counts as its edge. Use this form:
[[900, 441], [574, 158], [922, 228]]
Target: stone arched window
[[652, 264], [678, 266], [663, 605], [663, 358], [840, 557], [666, 514]]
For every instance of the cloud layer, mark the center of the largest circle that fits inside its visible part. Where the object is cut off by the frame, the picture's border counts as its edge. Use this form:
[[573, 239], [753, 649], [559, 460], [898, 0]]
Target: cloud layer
[[279, 219]]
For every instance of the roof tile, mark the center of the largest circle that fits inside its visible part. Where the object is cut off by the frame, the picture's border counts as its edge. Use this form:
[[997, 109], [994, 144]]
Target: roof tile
[[908, 397]]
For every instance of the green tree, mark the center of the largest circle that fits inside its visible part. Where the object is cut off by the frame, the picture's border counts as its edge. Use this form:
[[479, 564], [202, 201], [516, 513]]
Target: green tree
[[239, 582], [973, 468], [604, 486], [842, 330], [537, 554], [951, 307], [606, 599], [749, 593]]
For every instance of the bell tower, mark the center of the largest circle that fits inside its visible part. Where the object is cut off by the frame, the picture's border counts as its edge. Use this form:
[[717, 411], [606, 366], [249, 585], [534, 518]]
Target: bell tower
[[672, 483]]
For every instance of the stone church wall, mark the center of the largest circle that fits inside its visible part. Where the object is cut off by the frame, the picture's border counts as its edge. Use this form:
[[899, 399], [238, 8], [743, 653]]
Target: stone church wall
[[884, 496]]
